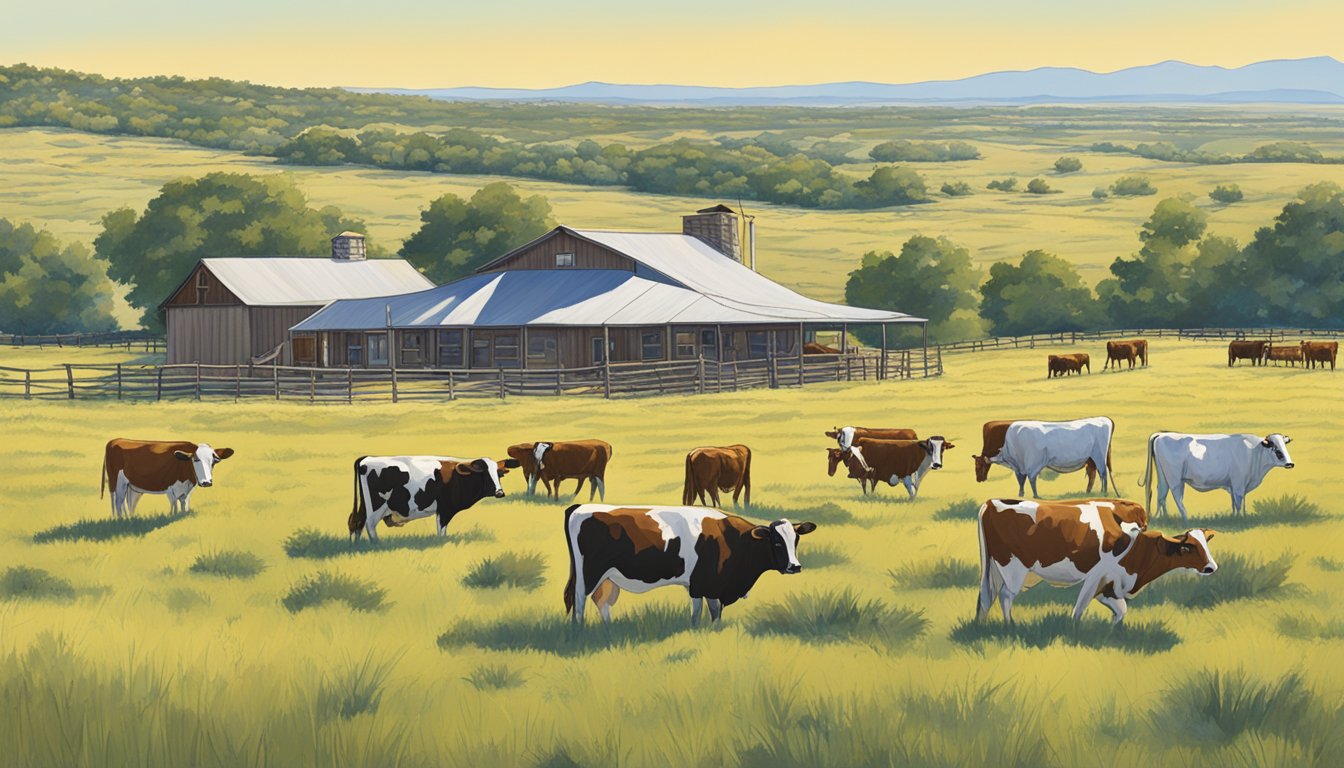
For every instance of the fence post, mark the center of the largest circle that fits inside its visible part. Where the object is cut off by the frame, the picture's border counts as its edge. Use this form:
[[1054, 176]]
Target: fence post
[[606, 377], [158, 388], [27, 385], [501, 384], [275, 375], [237, 383], [774, 372], [70, 380], [198, 380], [558, 389], [701, 376], [394, 382], [800, 364], [450, 385], [350, 385], [312, 388], [118, 381]]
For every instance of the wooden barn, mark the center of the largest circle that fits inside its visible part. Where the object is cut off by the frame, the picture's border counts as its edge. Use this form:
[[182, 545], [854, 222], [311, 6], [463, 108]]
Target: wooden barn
[[232, 311], [575, 298]]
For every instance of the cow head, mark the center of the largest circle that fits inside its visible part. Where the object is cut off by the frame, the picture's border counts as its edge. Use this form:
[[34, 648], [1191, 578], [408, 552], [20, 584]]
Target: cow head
[[538, 453], [489, 472], [935, 446], [203, 461], [1279, 445], [982, 465], [1190, 550], [783, 539]]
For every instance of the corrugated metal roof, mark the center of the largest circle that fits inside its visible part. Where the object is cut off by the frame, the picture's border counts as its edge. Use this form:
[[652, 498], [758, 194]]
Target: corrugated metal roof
[[280, 281]]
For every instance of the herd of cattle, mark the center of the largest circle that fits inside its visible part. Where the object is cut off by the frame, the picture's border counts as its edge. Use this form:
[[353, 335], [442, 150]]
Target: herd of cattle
[[1309, 353], [1103, 544]]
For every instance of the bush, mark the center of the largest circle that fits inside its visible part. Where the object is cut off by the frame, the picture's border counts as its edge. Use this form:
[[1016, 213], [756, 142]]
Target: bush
[[1068, 165], [1226, 193], [923, 152], [324, 587], [1133, 186], [229, 563], [23, 583], [956, 189], [513, 569], [835, 617], [1100, 193], [1003, 185], [959, 510], [494, 677], [1039, 187]]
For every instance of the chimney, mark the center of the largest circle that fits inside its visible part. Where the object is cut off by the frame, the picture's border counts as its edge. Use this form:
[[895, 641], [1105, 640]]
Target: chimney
[[716, 227], [347, 246]]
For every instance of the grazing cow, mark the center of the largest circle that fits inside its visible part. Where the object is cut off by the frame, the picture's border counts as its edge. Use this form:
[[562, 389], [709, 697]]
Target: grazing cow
[[135, 467], [1278, 353], [400, 489], [710, 470], [891, 461], [1322, 352], [1103, 544], [1235, 463], [570, 460], [1063, 365], [1246, 350], [815, 348], [716, 557], [845, 436], [1123, 350], [1029, 447]]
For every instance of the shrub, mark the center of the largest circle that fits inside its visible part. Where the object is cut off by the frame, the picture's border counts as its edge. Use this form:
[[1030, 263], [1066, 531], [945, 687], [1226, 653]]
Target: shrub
[[903, 151], [1039, 187], [1068, 165], [1100, 193], [1133, 186], [1226, 193], [834, 617], [324, 587], [23, 583], [946, 573], [521, 570], [956, 188], [494, 677], [1003, 185], [229, 563]]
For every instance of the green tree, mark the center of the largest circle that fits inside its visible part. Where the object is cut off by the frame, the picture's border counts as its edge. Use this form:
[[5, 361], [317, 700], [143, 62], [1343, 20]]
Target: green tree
[[456, 236], [1296, 266], [890, 185], [931, 278], [1153, 289], [219, 214], [1226, 194], [1068, 165], [1039, 187], [49, 287], [1133, 186], [1041, 294]]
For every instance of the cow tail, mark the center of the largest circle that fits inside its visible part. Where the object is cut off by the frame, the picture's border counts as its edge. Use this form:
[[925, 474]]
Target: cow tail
[[1147, 481], [102, 483], [359, 514], [688, 490], [984, 559], [1110, 472], [569, 545]]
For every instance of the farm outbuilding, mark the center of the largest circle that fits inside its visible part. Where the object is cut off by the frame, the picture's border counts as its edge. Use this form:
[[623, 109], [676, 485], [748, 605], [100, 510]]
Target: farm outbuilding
[[235, 311], [577, 297]]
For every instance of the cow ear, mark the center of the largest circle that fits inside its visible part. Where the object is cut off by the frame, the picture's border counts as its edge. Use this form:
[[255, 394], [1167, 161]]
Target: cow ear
[[833, 434], [1209, 533], [510, 464], [1265, 442], [759, 533], [1287, 439], [463, 468], [181, 455], [802, 529], [223, 453], [948, 446]]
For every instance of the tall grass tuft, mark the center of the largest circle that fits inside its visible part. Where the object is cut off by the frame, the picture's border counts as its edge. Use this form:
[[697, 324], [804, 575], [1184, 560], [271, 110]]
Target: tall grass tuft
[[513, 569], [1220, 705], [1288, 509], [834, 617], [354, 691], [229, 563], [107, 529], [1057, 628], [324, 587], [21, 582], [959, 510], [829, 513], [948, 573], [312, 544], [494, 677], [1238, 578], [1309, 628], [821, 556], [553, 633]]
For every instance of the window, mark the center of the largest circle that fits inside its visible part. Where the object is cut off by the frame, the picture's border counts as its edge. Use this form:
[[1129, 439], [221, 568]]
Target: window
[[651, 345], [542, 349], [709, 348], [784, 343], [729, 346], [598, 359], [377, 349], [202, 286], [412, 350], [354, 350], [685, 343], [506, 351], [450, 349], [758, 344], [480, 353], [564, 259]]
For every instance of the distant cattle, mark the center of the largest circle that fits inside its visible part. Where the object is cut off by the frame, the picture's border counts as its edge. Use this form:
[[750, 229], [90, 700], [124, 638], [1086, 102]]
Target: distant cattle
[[892, 461], [1246, 350], [174, 468], [716, 557], [1063, 365], [552, 462], [1030, 447], [710, 470], [1280, 353], [1322, 352], [1235, 463], [814, 348], [1128, 351], [1101, 543], [845, 436], [1141, 348], [400, 489]]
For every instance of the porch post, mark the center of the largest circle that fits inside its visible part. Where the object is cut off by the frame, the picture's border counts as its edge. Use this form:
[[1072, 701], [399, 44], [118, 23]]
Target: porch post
[[925, 325], [606, 362], [801, 331], [882, 363], [523, 349]]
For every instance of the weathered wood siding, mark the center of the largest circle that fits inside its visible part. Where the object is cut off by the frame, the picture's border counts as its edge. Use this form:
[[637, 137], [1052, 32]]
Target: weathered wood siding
[[586, 256], [215, 293], [212, 335], [270, 326]]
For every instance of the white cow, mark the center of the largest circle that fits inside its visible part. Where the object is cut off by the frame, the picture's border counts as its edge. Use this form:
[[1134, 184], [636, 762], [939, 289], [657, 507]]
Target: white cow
[[1235, 463], [1030, 447]]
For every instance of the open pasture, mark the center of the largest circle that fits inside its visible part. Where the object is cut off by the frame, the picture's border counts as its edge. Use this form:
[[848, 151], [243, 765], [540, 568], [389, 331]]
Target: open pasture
[[249, 632]]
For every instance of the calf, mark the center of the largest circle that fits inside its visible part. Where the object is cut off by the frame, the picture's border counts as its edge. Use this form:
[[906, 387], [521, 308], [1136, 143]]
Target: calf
[[1322, 352], [710, 470], [716, 557], [1123, 350], [1246, 350], [892, 461], [855, 467], [174, 468], [1103, 544], [400, 489], [571, 460], [845, 436], [1278, 353], [1063, 365]]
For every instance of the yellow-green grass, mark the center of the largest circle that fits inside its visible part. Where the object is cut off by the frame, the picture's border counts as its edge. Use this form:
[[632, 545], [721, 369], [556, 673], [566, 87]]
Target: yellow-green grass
[[155, 663]]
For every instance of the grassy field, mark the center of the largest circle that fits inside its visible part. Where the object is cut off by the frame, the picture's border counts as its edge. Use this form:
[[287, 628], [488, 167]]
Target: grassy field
[[249, 633]]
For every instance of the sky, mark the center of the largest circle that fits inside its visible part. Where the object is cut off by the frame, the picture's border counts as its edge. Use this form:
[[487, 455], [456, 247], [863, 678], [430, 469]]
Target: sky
[[548, 43]]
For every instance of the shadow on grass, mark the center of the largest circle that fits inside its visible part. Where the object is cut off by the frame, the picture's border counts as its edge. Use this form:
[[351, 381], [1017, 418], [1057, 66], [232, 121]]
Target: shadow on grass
[[959, 510], [834, 617], [556, 634], [322, 587], [1288, 509], [1042, 632], [312, 544], [940, 574], [829, 513], [108, 529], [822, 556]]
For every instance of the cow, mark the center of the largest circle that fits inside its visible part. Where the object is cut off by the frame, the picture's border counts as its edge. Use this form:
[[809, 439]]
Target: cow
[[1322, 352], [816, 348], [715, 556], [1029, 447], [400, 489], [891, 461], [710, 470], [552, 462], [135, 467], [1279, 353], [1235, 463], [1124, 350], [1246, 350], [1063, 365], [1103, 544], [845, 436], [1141, 349]]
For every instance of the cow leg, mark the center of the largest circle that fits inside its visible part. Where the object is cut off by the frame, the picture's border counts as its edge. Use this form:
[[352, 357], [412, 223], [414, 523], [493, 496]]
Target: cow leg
[[696, 606], [1085, 595], [1238, 502], [715, 610], [601, 489], [185, 501], [132, 499], [371, 527], [1035, 494], [714, 495], [1021, 484], [1178, 495], [604, 597], [910, 486], [1117, 605], [579, 489], [988, 583]]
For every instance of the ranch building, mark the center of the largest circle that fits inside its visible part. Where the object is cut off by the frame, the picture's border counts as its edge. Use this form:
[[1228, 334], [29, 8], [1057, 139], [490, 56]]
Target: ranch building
[[236, 311], [577, 298]]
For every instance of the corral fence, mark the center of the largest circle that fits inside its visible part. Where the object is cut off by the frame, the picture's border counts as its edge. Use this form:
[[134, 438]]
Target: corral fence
[[129, 340], [192, 381], [1181, 334]]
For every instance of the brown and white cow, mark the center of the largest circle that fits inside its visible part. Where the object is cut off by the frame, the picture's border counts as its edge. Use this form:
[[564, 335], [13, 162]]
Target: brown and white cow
[[855, 468], [1063, 365], [995, 435], [716, 557], [713, 469], [551, 462], [1128, 351], [845, 436], [174, 468], [1291, 354], [399, 489], [1322, 352], [1246, 350], [891, 461], [1103, 544]]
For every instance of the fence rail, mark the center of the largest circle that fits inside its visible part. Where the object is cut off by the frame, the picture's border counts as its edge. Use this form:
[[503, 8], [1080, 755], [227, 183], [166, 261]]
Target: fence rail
[[1184, 334], [149, 342]]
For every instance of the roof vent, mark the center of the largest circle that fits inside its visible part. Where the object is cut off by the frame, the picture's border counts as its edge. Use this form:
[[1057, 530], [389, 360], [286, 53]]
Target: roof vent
[[716, 227], [348, 246]]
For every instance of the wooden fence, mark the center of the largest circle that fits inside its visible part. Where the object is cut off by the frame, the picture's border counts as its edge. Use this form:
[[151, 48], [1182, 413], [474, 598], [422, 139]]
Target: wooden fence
[[129, 382], [1182, 334], [141, 340]]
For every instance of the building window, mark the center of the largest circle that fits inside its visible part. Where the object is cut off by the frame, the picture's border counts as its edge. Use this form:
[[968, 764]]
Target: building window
[[651, 345], [784, 343], [377, 343], [709, 348], [564, 259], [450, 349], [413, 348], [685, 346], [758, 344], [480, 353], [542, 349], [506, 351], [354, 350], [729, 346], [202, 286], [598, 359]]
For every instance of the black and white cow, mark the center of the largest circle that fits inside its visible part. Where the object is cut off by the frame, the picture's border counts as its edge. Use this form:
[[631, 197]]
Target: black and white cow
[[400, 489]]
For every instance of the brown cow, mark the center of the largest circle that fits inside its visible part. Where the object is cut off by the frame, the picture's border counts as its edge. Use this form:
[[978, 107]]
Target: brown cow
[[1279, 353], [174, 468], [815, 348], [1246, 350], [995, 433], [1063, 365], [845, 436], [579, 460], [891, 461], [717, 469], [1124, 350], [1322, 352], [856, 469], [1140, 348]]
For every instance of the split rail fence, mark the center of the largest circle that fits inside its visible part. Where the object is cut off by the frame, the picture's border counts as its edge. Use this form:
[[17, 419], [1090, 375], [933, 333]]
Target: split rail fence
[[130, 340]]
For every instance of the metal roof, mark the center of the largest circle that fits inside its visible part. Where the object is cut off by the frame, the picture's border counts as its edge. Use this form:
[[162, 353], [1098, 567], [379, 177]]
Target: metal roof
[[299, 281]]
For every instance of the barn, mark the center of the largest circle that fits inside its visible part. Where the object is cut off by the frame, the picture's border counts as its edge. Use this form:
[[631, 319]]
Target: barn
[[579, 297], [232, 311]]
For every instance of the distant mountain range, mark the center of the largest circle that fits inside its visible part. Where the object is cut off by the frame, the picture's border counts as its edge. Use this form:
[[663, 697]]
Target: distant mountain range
[[1317, 80]]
